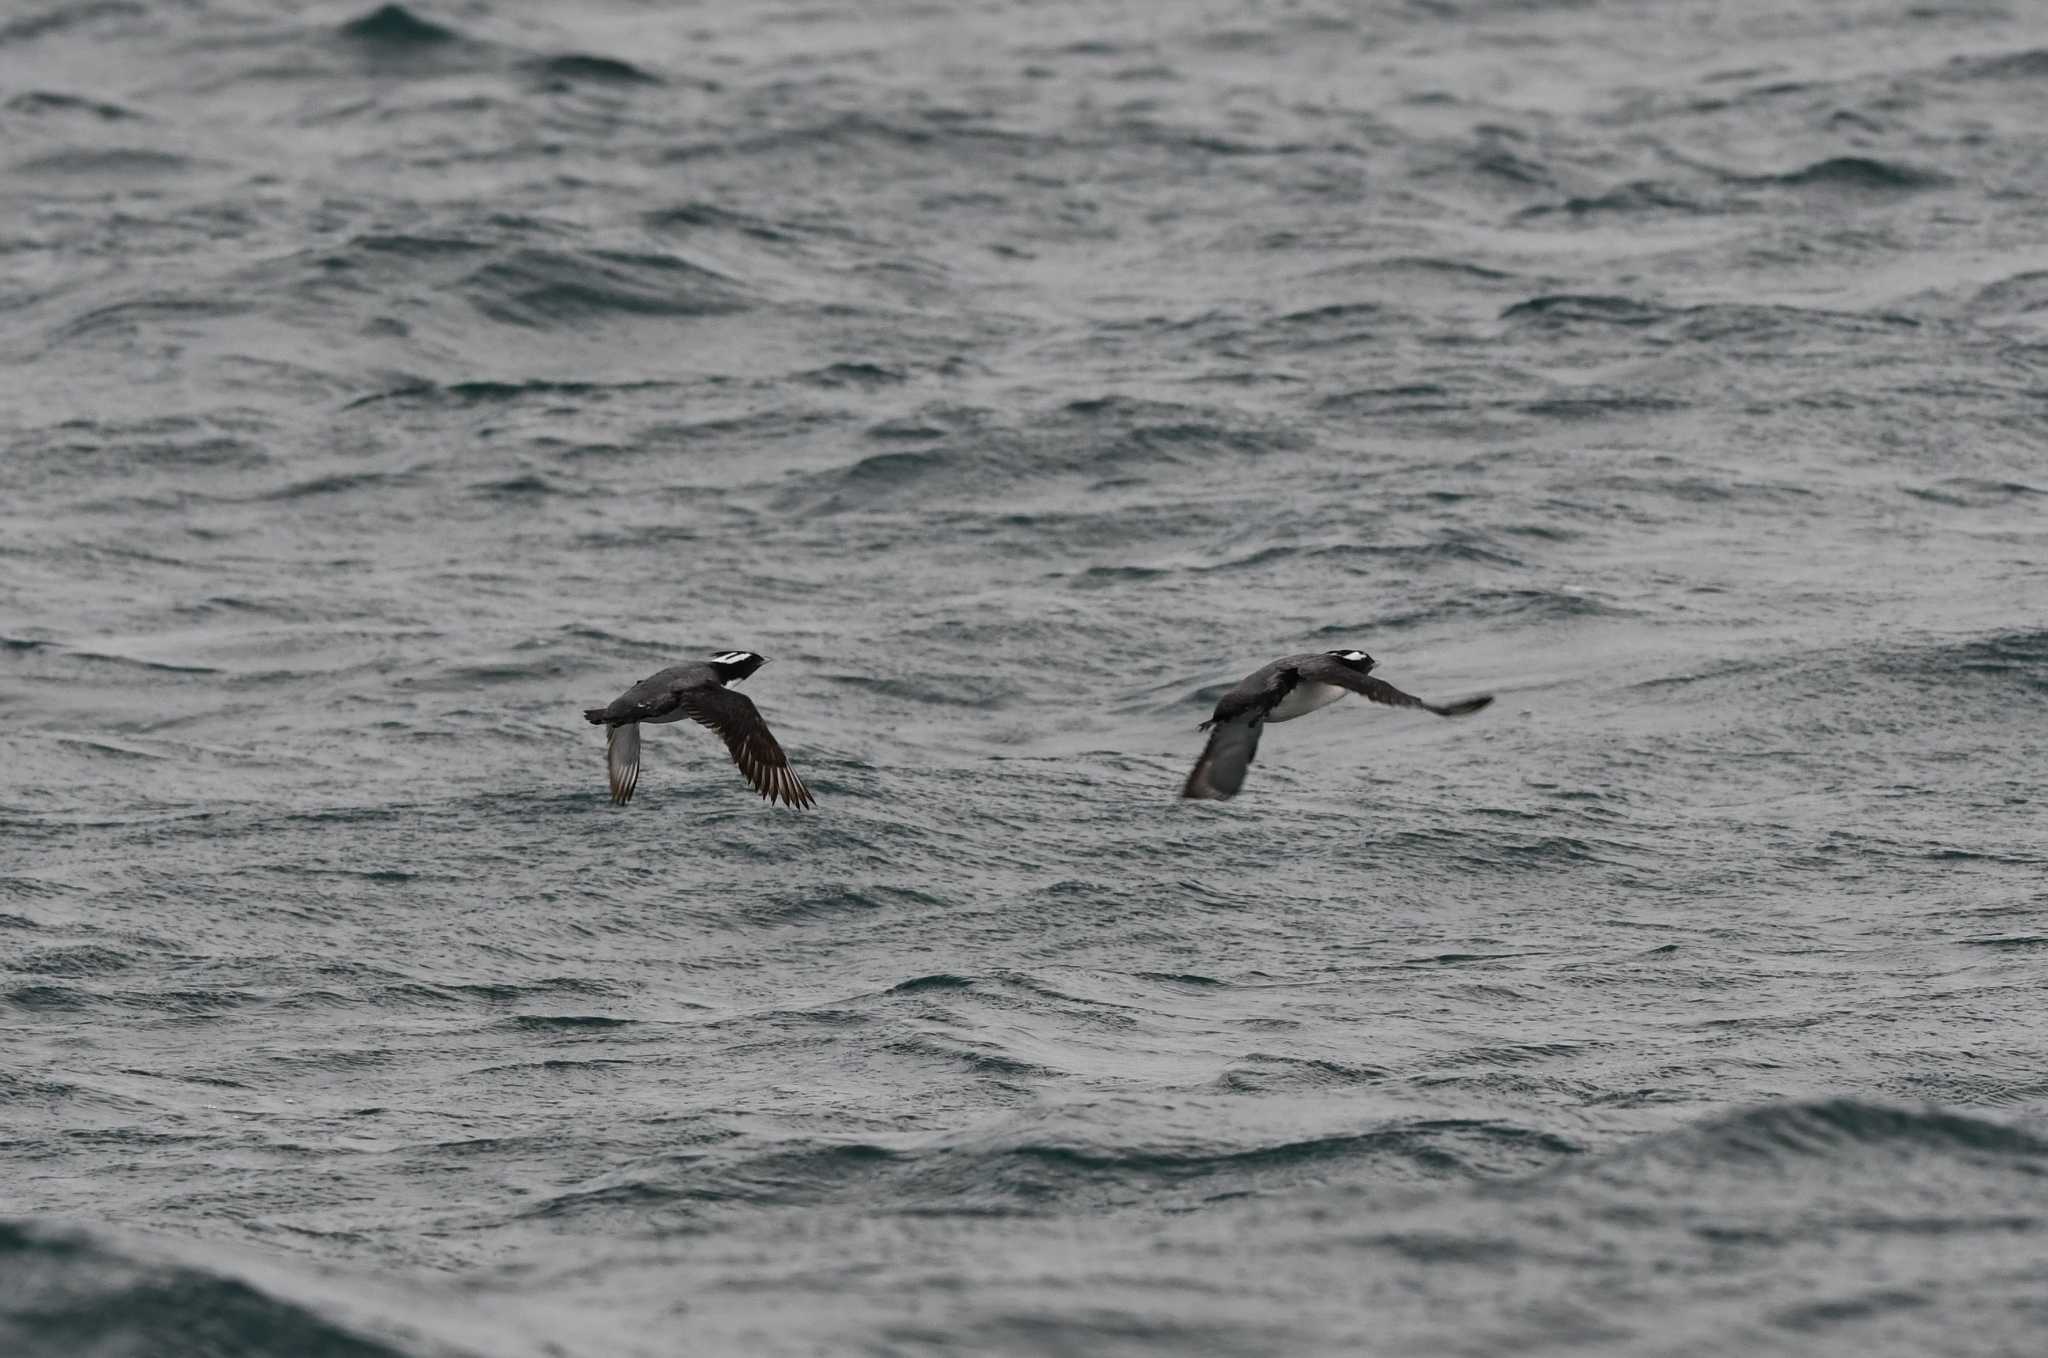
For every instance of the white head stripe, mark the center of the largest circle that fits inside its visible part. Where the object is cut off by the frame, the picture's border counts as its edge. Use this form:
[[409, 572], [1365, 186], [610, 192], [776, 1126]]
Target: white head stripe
[[732, 657], [1354, 655]]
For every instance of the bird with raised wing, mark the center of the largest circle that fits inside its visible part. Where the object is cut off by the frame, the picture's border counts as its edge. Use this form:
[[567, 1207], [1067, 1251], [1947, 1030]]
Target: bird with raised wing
[[698, 691], [1292, 686]]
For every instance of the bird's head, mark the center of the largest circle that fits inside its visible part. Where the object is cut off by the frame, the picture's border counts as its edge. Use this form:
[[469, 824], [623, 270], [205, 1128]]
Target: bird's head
[[1357, 660], [736, 665]]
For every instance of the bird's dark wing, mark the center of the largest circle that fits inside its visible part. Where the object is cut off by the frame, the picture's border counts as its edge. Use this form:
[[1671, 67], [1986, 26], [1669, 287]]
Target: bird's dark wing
[[1219, 773], [1234, 734], [1380, 691], [753, 747], [1255, 697]]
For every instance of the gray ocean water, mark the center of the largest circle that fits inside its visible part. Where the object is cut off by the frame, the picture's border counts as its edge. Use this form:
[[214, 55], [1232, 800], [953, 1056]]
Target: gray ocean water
[[381, 387]]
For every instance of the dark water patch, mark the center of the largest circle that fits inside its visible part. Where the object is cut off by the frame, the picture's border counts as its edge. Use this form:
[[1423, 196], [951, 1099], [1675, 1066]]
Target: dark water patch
[[531, 486], [396, 28], [1264, 1072], [1582, 404], [1731, 669], [936, 136], [2009, 942], [1186, 979], [2020, 294], [1336, 324], [111, 750], [1316, 318], [37, 103], [1444, 1148], [1160, 422], [463, 395], [939, 981], [2029, 64], [1516, 1054], [2014, 660], [25, 1089], [1576, 311], [827, 901], [1456, 545], [137, 662], [1788, 1139], [864, 376], [410, 245], [542, 289], [111, 161], [577, 68], [1970, 492], [337, 483], [685, 218], [1408, 398], [1081, 1329], [1866, 1306], [1776, 326], [80, 961], [184, 1004], [46, 999], [550, 1023], [1099, 577], [1854, 174], [1107, 441], [58, 17], [792, 1020], [982, 1058], [143, 315], [1437, 266], [62, 1291], [8, 921], [1022, 1175], [1441, 1249], [1693, 489], [456, 995], [1446, 959], [1639, 198]]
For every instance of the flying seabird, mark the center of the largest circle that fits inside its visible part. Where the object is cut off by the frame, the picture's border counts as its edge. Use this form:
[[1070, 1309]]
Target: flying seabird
[[698, 691], [1292, 686]]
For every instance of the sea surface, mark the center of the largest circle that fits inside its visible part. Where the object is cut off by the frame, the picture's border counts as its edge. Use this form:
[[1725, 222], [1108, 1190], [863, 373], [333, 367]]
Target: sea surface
[[381, 387]]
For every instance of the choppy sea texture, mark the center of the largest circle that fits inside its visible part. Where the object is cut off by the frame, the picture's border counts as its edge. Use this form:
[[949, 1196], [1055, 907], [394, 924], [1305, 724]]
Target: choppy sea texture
[[383, 386]]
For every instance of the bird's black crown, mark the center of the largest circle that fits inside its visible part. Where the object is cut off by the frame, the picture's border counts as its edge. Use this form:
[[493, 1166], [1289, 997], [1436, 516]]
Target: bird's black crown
[[732, 665]]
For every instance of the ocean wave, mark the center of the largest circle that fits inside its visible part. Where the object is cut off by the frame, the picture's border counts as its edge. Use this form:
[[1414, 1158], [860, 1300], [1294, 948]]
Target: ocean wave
[[1790, 1139], [2028, 64], [1563, 311], [41, 102], [397, 28], [1853, 174], [1639, 198], [67, 1290], [1112, 441], [83, 960], [541, 289], [1016, 1172], [56, 18], [578, 68], [124, 162]]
